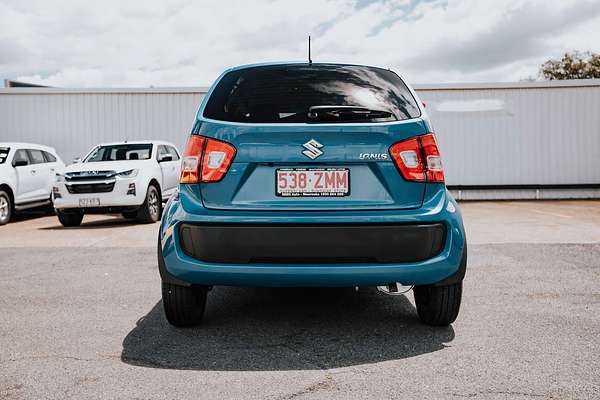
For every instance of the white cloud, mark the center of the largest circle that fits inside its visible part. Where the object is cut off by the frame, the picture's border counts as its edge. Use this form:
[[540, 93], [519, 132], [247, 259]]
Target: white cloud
[[188, 43]]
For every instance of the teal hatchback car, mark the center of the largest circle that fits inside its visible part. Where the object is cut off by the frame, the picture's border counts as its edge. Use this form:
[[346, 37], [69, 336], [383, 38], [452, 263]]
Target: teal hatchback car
[[308, 174]]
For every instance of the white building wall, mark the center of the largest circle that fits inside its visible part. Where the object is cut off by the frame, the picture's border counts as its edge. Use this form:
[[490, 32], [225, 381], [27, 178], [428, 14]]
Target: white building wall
[[73, 121], [541, 133]]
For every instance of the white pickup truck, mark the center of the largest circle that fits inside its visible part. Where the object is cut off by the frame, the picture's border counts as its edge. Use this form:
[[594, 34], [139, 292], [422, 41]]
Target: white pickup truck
[[131, 178], [26, 176]]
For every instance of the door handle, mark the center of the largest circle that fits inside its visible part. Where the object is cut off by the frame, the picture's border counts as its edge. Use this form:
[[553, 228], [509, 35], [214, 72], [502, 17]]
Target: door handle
[[33, 172]]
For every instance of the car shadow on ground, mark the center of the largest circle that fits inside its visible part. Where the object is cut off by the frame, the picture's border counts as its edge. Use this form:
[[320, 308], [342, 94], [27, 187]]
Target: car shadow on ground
[[110, 222], [28, 215], [251, 329]]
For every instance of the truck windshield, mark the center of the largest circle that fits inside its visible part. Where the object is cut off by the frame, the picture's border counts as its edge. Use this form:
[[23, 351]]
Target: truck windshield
[[120, 152], [4, 154], [288, 93]]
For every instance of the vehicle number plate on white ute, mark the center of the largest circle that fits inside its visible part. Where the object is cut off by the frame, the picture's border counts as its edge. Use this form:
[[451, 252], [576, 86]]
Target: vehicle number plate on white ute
[[89, 202]]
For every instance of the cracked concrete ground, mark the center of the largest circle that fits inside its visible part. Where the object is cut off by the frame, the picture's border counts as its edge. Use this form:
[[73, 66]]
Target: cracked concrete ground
[[80, 317]]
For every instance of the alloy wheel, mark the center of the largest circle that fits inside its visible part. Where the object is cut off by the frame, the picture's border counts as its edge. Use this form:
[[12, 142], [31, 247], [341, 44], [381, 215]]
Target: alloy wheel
[[153, 203], [4, 208]]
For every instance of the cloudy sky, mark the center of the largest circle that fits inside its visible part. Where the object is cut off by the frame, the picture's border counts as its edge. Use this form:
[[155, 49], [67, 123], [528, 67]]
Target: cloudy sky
[[189, 42]]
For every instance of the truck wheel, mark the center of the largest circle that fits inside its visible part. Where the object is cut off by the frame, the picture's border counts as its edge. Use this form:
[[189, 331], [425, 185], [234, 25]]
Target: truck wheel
[[49, 208], [70, 218], [184, 306], [5, 207], [438, 305], [150, 211]]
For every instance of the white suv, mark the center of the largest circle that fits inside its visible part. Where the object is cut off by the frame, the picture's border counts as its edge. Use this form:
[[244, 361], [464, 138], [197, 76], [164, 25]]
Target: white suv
[[26, 175], [131, 178]]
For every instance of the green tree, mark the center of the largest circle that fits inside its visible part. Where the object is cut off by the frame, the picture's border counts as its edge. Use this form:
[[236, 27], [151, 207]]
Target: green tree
[[573, 65]]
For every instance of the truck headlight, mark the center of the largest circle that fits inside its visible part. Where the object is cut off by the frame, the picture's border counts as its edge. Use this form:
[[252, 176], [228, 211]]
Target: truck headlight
[[59, 178], [130, 173]]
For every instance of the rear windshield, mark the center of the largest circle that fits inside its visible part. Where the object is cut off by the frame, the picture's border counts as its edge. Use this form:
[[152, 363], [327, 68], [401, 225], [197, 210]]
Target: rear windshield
[[311, 93], [119, 152], [4, 154]]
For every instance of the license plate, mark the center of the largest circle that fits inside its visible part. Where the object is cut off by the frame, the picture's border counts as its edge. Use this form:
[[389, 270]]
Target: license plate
[[93, 202], [312, 182]]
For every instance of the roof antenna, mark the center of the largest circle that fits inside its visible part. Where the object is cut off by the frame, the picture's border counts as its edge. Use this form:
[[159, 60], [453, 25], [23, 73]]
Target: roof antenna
[[309, 57]]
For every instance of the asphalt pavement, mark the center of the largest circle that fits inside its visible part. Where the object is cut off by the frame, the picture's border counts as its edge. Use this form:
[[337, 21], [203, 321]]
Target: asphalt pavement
[[81, 317]]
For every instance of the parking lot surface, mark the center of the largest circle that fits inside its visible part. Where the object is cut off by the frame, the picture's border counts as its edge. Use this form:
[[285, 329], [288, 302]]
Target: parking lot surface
[[81, 317]]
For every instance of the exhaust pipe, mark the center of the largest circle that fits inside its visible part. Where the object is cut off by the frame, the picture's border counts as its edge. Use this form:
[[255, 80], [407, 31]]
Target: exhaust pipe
[[394, 289]]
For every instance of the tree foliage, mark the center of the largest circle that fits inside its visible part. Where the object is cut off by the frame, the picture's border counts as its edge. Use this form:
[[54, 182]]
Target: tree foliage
[[573, 65]]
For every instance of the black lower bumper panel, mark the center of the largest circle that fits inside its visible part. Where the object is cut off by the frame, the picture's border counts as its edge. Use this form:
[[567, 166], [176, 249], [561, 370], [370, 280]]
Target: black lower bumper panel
[[296, 244]]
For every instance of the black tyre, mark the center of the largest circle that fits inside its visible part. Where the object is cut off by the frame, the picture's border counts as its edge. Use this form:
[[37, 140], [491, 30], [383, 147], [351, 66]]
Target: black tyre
[[438, 305], [49, 209], [184, 306], [129, 214], [69, 218], [151, 210], [6, 207]]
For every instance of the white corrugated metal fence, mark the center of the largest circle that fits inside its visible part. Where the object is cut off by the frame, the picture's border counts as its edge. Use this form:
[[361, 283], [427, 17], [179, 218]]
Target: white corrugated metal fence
[[498, 135]]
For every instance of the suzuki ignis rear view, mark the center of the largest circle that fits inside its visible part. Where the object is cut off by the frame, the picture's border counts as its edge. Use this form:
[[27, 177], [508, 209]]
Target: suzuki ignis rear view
[[304, 175]]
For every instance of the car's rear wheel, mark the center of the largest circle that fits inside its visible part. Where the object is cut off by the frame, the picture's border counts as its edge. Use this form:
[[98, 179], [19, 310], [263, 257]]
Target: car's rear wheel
[[69, 218], [5, 207], [438, 305], [150, 211], [183, 305]]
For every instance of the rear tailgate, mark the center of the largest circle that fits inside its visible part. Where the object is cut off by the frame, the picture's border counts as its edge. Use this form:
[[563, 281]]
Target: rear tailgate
[[359, 151]]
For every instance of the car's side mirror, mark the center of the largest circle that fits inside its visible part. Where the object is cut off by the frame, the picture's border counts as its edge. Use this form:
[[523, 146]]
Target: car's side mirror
[[76, 160], [165, 158], [20, 163]]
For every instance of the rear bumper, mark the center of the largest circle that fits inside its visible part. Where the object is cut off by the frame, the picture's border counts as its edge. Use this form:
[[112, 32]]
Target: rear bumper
[[311, 243], [414, 247]]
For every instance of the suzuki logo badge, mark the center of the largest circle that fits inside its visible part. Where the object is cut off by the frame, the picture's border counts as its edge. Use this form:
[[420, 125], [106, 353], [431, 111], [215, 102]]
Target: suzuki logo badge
[[312, 149]]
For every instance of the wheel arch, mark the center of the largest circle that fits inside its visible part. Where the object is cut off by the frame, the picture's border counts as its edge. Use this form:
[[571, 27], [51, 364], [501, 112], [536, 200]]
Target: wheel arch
[[154, 182], [10, 192]]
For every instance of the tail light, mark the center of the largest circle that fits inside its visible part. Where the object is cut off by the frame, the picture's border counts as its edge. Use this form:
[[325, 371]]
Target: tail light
[[418, 159], [205, 160]]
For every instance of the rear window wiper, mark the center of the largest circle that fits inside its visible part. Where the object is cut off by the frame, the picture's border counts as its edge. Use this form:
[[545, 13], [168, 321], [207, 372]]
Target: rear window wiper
[[345, 112]]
